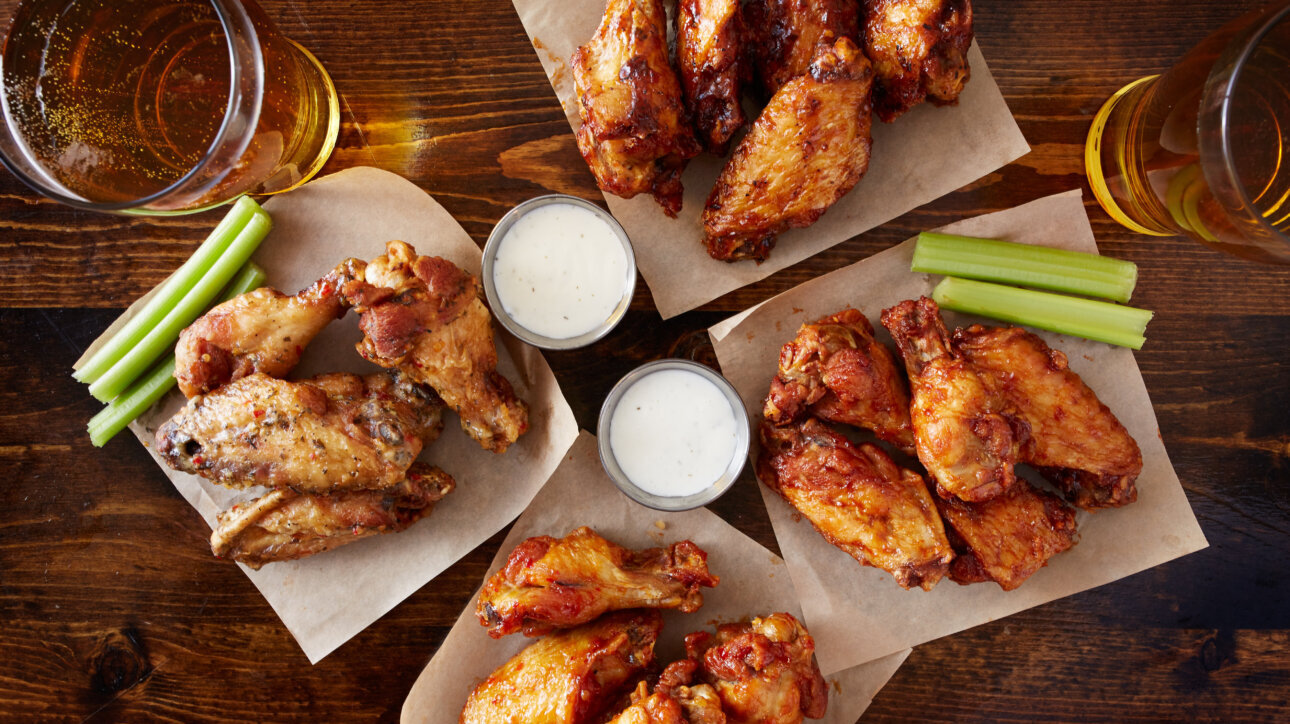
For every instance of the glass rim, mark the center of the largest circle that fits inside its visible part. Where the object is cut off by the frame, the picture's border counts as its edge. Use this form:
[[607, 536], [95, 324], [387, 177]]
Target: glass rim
[[233, 17]]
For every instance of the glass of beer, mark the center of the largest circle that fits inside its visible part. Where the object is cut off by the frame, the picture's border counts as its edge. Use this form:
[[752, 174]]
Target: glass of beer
[[159, 106], [1204, 150]]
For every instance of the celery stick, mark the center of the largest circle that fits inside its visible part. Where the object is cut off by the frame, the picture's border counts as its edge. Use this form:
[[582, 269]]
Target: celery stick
[[145, 392], [192, 305], [171, 291], [1025, 265], [1088, 318]]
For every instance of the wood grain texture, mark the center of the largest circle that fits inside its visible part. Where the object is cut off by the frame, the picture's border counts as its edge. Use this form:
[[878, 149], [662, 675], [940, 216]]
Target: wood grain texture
[[114, 610]]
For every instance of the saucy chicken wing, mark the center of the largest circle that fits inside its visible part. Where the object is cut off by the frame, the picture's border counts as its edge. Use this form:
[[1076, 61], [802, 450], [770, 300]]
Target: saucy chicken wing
[[635, 135], [709, 60], [549, 583], [858, 499], [835, 370], [674, 701], [764, 671], [423, 316], [783, 35], [808, 148], [1075, 441], [329, 433], [260, 331], [569, 677], [284, 525], [919, 50], [967, 438]]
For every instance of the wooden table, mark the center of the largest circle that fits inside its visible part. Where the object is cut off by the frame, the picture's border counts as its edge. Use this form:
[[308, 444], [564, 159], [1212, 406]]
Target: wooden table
[[112, 608]]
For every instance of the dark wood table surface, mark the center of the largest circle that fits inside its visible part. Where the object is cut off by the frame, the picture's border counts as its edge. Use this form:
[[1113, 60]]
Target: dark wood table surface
[[113, 609]]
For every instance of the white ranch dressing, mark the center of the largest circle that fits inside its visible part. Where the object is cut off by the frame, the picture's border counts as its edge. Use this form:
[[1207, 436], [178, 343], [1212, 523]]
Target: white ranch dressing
[[673, 433], [560, 271]]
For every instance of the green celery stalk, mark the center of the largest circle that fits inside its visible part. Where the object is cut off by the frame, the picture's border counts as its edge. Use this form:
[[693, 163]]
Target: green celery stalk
[[1025, 265], [145, 392], [171, 291], [1087, 318], [196, 301]]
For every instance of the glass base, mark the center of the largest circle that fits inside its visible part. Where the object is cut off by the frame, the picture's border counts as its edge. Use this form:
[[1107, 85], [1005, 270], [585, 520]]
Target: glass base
[[1093, 163], [328, 140]]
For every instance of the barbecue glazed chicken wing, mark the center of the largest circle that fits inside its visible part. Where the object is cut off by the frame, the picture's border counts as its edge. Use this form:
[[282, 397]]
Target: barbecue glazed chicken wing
[[835, 370], [763, 670], [708, 56], [284, 525], [858, 499], [674, 701], [783, 35], [808, 148], [260, 331], [967, 438], [330, 433], [635, 134], [1075, 441], [569, 677], [423, 316], [919, 49], [549, 583]]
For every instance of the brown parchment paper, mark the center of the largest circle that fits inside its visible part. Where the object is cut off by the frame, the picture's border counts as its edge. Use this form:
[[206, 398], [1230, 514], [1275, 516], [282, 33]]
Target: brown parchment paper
[[924, 155], [859, 613], [754, 582], [327, 599]]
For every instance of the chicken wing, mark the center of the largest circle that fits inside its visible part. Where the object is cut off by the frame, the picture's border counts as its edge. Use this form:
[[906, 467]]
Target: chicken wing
[[1075, 441], [549, 583], [763, 670], [783, 35], [919, 49], [809, 146], [423, 316], [858, 499], [968, 439], [1008, 538], [709, 60], [673, 700], [284, 525], [835, 370], [260, 331], [569, 677], [329, 433], [635, 135]]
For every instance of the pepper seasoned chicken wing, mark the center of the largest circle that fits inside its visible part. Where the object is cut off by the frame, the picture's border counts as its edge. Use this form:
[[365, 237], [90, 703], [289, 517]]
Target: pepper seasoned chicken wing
[[635, 135], [808, 148], [1075, 441], [763, 670], [919, 50], [674, 701], [858, 499], [549, 583], [835, 370], [423, 316], [284, 525], [260, 331], [784, 35], [569, 677], [329, 433], [709, 60], [967, 438]]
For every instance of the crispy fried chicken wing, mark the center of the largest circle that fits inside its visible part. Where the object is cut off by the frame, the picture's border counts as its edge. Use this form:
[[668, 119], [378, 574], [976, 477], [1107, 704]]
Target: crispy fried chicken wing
[[283, 525], [329, 433], [783, 35], [967, 438], [763, 670], [858, 499], [549, 583], [260, 331], [674, 701], [808, 148], [569, 677], [710, 65], [835, 370], [423, 316], [919, 49], [635, 135]]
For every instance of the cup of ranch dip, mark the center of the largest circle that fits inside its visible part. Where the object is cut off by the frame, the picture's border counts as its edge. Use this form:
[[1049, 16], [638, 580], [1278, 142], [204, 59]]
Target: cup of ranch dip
[[559, 272], [673, 435]]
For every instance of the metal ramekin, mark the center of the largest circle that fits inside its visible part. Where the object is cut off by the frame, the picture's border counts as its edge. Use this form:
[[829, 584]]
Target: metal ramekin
[[514, 327], [717, 489]]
